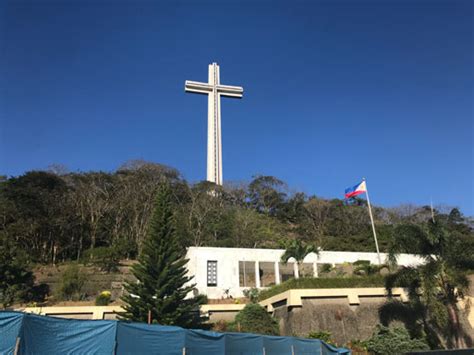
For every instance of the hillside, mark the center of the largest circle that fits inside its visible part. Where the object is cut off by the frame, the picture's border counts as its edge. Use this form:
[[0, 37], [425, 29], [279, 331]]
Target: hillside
[[56, 217]]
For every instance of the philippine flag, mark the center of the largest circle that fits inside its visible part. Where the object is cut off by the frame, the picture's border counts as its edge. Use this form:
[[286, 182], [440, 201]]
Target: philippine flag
[[356, 190]]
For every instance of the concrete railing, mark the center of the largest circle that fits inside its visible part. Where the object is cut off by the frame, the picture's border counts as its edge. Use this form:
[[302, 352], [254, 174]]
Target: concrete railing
[[111, 312], [294, 297]]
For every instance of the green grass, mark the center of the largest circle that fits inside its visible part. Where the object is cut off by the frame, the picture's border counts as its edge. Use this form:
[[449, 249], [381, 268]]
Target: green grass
[[336, 282]]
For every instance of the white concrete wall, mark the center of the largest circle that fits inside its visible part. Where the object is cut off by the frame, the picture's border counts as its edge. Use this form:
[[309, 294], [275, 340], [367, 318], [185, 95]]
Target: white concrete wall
[[228, 265]]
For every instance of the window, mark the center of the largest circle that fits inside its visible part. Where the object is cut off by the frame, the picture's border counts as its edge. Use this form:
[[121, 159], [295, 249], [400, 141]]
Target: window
[[211, 273], [247, 273], [286, 271], [267, 273]]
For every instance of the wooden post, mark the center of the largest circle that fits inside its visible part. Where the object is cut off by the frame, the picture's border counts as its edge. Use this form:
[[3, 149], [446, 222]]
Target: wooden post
[[149, 317], [292, 350], [184, 351]]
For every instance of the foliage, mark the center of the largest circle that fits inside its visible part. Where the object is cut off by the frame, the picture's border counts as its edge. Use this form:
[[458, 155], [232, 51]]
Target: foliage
[[103, 299], [253, 294], [357, 347], [162, 284], [16, 278], [309, 282], [37, 293], [364, 267], [221, 326], [106, 258], [298, 250], [57, 215], [266, 194], [255, 319], [325, 268], [71, 284], [394, 341], [321, 335], [435, 286]]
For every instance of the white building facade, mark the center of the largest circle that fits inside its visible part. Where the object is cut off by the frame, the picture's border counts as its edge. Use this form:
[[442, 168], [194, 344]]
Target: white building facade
[[224, 272]]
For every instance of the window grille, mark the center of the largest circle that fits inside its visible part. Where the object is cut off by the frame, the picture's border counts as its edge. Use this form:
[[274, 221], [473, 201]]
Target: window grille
[[211, 273]]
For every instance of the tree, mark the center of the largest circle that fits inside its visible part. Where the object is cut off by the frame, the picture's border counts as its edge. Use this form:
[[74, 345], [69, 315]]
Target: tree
[[267, 194], [162, 284], [255, 319], [434, 287], [93, 193], [135, 198], [314, 219], [31, 209], [393, 341], [256, 230], [298, 250], [16, 279]]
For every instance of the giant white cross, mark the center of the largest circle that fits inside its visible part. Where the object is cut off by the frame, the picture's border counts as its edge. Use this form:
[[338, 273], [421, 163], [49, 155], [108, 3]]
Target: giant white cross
[[214, 90]]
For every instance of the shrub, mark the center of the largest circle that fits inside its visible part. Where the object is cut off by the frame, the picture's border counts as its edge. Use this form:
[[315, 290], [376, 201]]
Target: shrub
[[365, 268], [255, 319], [321, 335], [252, 294], [71, 284], [106, 258], [38, 293], [394, 341], [326, 268], [335, 282], [103, 299], [357, 347], [220, 326]]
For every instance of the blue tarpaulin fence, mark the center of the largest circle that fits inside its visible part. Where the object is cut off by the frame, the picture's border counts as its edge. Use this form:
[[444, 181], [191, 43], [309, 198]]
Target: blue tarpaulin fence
[[24, 333]]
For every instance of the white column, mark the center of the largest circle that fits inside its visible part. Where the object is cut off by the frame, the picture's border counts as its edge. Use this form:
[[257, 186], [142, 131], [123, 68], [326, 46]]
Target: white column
[[257, 274], [315, 269], [296, 271], [218, 130], [277, 273], [211, 127]]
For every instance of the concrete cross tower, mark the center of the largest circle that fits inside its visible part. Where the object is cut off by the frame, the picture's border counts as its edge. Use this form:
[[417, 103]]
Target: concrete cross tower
[[214, 90]]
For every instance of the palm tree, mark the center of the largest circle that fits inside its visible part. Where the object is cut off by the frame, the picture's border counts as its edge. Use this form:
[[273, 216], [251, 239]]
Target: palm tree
[[434, 287], [298, 250]]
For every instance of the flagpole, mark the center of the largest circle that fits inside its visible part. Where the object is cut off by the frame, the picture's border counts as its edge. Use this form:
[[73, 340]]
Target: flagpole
[[372, 220]]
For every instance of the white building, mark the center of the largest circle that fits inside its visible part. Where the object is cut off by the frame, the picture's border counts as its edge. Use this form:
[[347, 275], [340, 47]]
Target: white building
[[219, 272]]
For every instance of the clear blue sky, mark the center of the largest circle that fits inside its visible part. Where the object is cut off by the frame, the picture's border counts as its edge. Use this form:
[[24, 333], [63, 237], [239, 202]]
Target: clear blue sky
[[333, 91]]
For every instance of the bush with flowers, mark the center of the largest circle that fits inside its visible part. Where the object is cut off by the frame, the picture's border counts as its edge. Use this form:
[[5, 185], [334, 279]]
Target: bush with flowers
[[103, 299]]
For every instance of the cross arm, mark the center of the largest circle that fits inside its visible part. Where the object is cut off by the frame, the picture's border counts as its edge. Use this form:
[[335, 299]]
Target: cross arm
[[197, 87], [230, 91]]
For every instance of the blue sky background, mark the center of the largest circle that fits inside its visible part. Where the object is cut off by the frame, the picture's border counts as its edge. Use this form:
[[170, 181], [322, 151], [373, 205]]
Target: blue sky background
[[333, 91]]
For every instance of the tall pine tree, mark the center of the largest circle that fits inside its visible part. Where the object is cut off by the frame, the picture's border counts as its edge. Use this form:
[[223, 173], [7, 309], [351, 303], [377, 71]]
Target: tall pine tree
[[161, 273]]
